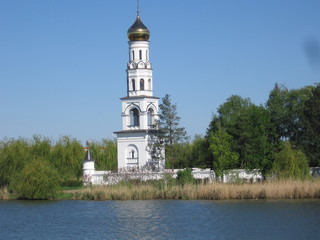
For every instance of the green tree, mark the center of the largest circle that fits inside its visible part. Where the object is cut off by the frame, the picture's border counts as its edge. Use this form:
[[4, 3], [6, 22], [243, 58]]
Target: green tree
[[252, 136], [156, 148], [185, 177], [37, 180], [182, 152], [14, 154], [310, 136], [199, 155], [223, 155], [41, 147], [67, 157], [104, 153], [169, 125], [249, 129], [286, 109], [290, 164], [229, 112]]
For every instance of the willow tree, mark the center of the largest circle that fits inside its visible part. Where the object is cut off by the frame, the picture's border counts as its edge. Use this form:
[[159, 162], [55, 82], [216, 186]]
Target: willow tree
[[67, 156], [37, 180], [14, 154], [290, 164], [104, 153]]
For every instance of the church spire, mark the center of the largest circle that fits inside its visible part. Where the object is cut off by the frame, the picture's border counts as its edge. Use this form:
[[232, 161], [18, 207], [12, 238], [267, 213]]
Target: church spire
[[138, 8]]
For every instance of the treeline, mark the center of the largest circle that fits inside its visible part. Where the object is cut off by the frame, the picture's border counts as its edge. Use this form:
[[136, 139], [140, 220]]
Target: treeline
[[244, 135], [31, 167], [281, 138]]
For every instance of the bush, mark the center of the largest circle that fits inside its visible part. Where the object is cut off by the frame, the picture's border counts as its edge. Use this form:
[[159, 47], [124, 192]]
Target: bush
[[290, 164], [72, 183], [14, 154], [185, 176], [37, 180]]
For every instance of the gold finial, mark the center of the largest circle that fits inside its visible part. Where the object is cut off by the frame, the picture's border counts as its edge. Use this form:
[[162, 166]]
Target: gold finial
[[138, 31]]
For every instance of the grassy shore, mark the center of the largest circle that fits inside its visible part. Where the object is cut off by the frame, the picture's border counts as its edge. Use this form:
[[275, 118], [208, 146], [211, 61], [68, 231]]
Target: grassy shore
[[215, 191], [4, 194]]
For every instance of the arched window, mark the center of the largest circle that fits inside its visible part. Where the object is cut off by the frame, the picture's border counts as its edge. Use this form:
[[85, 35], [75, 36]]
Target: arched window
[[132, 55], [141, 84], [149, 84], [132, 154], [140, 54], [134, 117], [133, 85], [147, 54], [150, 117]]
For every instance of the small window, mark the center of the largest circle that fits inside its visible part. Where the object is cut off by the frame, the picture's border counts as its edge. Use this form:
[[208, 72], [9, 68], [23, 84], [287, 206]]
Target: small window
[[132, 54], [150, 117], [132, 154], [140, 54], [147, 54], [134, 117], [133, 85], [141, 84], [149, 84]]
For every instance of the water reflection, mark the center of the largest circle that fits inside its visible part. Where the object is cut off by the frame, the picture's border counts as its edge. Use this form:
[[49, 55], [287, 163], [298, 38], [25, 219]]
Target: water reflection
[[160, 220]]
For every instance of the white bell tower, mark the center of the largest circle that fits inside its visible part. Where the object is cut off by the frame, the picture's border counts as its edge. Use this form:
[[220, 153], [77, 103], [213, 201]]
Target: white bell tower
[[139, 107]]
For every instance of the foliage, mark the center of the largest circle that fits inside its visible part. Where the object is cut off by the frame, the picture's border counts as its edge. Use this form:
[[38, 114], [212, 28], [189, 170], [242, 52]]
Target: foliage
[[185, 177], [169, 122], [199, 154], [67, 157], [71, 183], [41, 147], [155, 148], [14, 154], [104, 153], [37, 180], [169, 125], [240, 129], [221, 147], [290, 164], [181, 153], [252, 133], [286, 108], [310, 139], [228, 114]]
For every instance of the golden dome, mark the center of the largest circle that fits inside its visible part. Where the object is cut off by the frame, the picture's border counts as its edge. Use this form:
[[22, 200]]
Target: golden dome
[[138, 31]]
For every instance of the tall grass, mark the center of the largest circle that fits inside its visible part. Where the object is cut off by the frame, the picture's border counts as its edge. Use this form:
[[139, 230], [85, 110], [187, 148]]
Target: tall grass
[[4, 194], [290, 189]]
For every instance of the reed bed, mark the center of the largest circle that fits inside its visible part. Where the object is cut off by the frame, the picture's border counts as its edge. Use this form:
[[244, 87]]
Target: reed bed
[[290, 189], [4, 194]]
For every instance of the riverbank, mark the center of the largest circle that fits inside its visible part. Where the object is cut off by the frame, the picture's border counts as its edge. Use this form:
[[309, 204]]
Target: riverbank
[[215, 191], [290, 189]]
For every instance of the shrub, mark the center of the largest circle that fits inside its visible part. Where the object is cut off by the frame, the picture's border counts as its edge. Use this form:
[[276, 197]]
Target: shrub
[[14, 154], [185, 176], [72, 183], [37, 180], [290, 164]]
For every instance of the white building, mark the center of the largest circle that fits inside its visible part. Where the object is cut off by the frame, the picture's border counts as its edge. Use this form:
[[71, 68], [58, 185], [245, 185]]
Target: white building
[[139, 107]]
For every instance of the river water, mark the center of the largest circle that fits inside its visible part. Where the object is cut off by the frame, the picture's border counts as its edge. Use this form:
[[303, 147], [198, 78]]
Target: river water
[[160, 219]]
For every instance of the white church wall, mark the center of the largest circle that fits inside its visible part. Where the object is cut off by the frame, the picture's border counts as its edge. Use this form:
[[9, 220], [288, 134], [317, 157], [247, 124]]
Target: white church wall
[[109, 178], [132, 139], [235, 175]]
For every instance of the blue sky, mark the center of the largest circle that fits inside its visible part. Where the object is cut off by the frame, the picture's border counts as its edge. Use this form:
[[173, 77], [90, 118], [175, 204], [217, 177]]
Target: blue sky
[[63, 62]]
